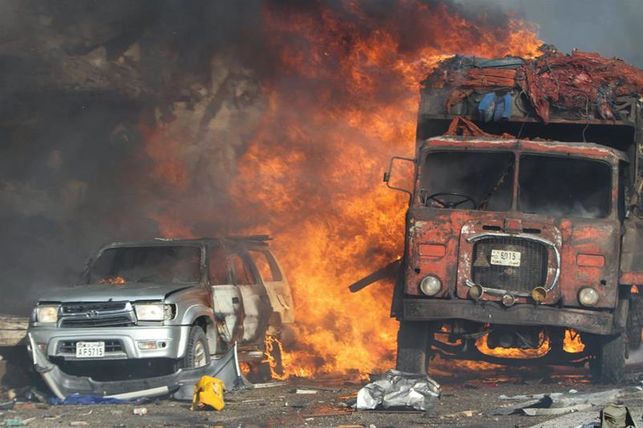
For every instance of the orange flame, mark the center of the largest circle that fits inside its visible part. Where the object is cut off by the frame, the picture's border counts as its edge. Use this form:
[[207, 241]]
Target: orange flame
[[542, 349], [341, 99], [113, 280], [572, 342]]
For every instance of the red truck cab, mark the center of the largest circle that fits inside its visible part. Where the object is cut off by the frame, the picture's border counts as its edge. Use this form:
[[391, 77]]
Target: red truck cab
[[519, 229]]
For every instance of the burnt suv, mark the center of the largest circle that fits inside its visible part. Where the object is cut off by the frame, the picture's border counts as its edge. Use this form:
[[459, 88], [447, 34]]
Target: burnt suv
[[153, 307]]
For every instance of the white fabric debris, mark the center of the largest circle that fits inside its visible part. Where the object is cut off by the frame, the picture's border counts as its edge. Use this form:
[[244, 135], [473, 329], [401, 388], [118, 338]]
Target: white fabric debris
[[398, 389]]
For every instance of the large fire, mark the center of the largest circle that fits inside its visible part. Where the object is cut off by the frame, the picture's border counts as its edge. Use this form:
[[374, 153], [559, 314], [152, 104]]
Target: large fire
[[341, 99]]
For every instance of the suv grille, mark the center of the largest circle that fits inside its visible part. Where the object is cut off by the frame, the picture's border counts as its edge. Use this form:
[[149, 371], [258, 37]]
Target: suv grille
[[531, 273], [99, 314]]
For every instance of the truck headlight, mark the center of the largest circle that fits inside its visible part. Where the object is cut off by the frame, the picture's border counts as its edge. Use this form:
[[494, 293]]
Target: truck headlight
[[430, 285], [47, 313], [587, 296], [153, 311]]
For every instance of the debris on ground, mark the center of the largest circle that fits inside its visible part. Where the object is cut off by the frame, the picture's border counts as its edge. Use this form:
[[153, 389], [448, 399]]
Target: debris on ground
[[208, 392], [616, 416], [139, 411], [399, 389], [17, 422], [561, 403], [75, 399], [306, 391]]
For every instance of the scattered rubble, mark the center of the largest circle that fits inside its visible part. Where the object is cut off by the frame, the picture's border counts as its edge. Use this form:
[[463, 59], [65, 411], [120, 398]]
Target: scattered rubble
[[399, 389]]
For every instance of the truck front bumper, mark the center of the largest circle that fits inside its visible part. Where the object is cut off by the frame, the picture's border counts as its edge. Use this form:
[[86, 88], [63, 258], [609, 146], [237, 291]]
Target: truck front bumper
[[124, 342], [584, 320]]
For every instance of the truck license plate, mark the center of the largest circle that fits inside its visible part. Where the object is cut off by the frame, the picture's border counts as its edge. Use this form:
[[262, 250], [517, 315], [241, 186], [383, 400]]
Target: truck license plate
[[90, 349], [505, 258]]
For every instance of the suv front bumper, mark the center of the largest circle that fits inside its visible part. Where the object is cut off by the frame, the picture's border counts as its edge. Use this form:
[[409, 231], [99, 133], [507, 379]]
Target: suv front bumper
[[124, 342], [584, 320], [180, 384]]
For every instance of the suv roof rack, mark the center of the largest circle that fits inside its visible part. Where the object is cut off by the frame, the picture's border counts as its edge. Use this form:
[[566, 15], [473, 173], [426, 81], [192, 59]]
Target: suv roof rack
[[250, 238]]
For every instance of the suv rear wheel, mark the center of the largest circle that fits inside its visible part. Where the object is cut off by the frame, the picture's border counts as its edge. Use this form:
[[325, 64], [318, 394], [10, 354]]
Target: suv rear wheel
[[198, 352]]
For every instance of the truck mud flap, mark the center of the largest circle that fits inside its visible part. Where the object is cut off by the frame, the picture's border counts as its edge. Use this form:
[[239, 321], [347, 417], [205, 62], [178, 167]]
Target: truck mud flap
[[179, 384]]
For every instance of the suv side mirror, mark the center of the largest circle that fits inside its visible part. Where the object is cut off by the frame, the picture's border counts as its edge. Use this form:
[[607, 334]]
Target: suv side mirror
[[400, 180]]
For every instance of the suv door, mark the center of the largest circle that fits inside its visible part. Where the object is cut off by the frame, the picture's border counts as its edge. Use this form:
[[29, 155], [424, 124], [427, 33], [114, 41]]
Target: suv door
[[226, 297], [275, 283], [256, 304]]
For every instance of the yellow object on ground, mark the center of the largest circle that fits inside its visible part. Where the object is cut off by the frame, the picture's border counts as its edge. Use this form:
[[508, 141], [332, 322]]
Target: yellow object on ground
[[208, 391]]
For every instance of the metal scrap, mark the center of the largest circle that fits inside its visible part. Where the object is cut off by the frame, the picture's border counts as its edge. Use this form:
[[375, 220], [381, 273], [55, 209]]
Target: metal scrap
[[399, 389]]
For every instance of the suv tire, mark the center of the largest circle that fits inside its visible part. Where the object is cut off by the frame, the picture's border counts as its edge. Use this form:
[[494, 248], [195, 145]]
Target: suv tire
[[198, 352], [413, 345]]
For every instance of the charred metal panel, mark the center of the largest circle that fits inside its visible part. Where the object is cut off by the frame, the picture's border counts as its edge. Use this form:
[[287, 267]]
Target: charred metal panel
[[632, 253], [598, 322], [584, 237]]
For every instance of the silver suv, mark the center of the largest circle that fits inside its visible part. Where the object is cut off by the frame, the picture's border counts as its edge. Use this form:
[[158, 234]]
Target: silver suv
[[162, 305]]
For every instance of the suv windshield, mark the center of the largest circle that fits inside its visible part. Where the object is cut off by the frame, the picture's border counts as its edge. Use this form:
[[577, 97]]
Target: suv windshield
[[467, 180], [160, 264], [564, 186]]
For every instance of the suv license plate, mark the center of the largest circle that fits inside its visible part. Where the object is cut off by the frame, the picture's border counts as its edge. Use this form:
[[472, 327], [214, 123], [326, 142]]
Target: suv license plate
[[505, 258], [90, 349]]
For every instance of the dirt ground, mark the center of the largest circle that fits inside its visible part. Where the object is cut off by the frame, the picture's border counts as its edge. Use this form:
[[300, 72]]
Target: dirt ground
[[468, 396]]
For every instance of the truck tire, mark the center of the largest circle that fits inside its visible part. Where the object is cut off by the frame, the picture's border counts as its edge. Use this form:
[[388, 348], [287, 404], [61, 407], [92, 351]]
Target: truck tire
[[413, 346], [197, 353], [607, 362], [634, 323]]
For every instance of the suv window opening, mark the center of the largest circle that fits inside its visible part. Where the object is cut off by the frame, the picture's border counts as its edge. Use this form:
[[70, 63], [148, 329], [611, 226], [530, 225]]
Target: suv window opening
[[158, 263], [265, 264]]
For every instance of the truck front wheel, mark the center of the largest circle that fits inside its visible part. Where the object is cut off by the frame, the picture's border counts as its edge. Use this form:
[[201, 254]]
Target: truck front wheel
[[413, 346], [634, 322], [607, 361]]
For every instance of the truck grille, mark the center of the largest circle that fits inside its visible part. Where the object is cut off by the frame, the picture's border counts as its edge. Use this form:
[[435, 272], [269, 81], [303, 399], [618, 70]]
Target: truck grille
[[97, 314], [69, 346], [531, 273]]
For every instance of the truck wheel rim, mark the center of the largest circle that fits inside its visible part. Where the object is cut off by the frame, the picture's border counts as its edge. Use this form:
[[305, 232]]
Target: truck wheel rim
[[200, 358]]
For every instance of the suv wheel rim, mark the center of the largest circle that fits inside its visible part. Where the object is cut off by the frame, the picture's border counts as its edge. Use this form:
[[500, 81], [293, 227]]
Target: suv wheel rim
[[200, 359]]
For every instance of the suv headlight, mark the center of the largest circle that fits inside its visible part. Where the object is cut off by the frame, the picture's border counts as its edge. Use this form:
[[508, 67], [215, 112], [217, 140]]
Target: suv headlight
[[153, 311], [47, 313]]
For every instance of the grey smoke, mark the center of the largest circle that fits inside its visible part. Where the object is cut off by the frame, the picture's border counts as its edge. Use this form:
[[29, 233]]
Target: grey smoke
[[80, 77], [612, 28]]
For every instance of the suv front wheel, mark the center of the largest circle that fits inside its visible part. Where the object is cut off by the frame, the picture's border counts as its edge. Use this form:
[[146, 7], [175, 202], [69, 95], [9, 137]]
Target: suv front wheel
[[198, 352]]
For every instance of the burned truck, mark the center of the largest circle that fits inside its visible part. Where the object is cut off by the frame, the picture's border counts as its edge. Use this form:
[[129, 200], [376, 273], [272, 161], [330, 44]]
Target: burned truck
[[524, 224]]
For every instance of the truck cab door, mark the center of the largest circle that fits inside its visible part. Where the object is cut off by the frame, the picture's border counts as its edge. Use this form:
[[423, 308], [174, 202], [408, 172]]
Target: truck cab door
[[226, 296]]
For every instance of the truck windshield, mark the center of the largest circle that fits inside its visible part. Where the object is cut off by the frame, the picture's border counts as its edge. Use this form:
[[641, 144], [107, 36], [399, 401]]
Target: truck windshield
[[467, 180], [564, 186], [159, 264]]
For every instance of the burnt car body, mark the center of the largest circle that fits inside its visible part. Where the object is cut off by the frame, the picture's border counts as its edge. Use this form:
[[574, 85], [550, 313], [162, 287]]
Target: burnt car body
[[151, 308], [519, 230]]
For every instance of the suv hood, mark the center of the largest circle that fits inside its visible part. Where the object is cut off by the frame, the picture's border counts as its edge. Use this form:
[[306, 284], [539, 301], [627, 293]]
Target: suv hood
[[104, 292]]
